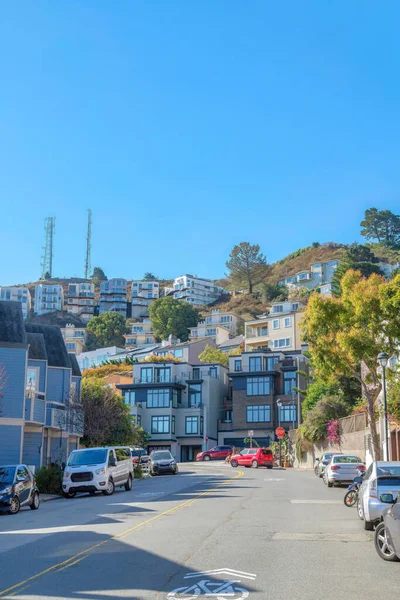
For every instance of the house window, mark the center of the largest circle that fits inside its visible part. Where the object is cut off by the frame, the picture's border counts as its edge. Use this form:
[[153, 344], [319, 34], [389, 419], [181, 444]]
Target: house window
[[238, 365], [282, 343], [228, 416], [130, 398], [255, 363], [213, 372], [271, 362], [159, 424], [163, 374], [295, 306], [258, 414], [174, 398], [211, 331], [196, 373], [288, 413], [226, 319], [278, 308], [289, 382], [258, 386], [32, 379], [276, 324], [195, 394], [288, 321], [158, 398], [137, 419], [192, 425], [173, 424], [208, 320], [146, 374], [178, 353]]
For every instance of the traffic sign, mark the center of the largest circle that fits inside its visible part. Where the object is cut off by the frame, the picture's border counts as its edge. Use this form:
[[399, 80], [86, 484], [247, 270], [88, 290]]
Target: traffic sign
[[251, 433], [280, 432]]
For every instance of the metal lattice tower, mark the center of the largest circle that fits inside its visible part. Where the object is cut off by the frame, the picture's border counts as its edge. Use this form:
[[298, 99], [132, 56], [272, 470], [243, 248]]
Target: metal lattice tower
[[88, 266], [47, 256]]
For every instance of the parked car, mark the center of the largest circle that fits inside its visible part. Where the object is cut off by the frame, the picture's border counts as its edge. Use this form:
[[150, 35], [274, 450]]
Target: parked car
[[387, 533], [380, 478], [253, 457], [342, 468], [216, 453], [18, 488], [162, 461], [322, 462], [139, 456], [98, 469]]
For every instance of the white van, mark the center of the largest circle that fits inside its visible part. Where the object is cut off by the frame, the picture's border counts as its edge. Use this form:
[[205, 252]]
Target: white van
[[98, 469]]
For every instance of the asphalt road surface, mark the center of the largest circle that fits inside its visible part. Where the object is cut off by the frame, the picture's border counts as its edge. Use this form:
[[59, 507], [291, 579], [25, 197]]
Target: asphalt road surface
[[211, 531]]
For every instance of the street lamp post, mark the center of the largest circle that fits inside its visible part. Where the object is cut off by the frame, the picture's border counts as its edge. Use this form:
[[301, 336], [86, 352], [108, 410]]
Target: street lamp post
[[279, 404], [383, 359]]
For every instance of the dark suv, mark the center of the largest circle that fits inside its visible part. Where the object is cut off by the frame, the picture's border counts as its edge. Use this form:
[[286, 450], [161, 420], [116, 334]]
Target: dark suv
[[216, 453], [17, 488]]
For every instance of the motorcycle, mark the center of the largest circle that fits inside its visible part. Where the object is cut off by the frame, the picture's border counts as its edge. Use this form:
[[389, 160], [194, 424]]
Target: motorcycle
[[351, 496]]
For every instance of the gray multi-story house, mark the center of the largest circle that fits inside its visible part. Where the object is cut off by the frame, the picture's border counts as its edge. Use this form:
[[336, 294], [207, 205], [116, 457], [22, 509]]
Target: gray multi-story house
[[17, 294], [48, 298], [178, 404], [263, 395], [80, 301], [113, 296], [41, 418]]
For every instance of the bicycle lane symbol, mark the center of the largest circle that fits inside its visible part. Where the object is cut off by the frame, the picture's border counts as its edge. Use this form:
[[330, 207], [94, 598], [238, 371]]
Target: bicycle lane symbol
[[231, 588]]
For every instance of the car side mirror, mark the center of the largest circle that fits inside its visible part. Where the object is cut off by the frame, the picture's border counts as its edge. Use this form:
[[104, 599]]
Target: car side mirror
[[387, 498], [317, 459], [357, 479]]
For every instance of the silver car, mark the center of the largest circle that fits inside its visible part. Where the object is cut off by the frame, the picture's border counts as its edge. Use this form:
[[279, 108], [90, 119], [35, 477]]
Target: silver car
[[342, 468], [381, 478], [322, 462]]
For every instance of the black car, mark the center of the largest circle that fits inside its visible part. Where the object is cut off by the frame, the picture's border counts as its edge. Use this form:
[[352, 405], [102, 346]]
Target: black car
[[17, 488], [162, 461], [387, 533]]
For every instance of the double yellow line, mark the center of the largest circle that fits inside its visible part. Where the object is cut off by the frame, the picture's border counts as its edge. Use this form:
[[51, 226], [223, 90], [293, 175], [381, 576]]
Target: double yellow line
[[76, 558]]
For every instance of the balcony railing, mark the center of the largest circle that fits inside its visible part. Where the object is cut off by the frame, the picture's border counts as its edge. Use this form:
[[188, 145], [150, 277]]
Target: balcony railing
[[157, 379], [35, 408]]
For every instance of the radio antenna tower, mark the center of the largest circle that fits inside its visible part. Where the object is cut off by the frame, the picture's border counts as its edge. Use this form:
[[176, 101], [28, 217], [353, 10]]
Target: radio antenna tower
[[47, 257], [88, 266]]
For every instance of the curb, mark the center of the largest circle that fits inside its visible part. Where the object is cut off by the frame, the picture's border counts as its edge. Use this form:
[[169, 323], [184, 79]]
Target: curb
[[50, 498]]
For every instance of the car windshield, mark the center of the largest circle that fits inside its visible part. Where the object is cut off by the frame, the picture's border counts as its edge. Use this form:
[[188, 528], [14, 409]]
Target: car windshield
[[252, 451], [162, 456], [389, 470], [136, 452], [7, 474], [347, 459], [88, 457]]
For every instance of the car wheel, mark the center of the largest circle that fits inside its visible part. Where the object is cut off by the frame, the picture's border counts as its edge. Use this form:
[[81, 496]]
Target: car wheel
[[234, 463], [110, 488], [269, 466], [14, 506], [34, 505], [128, 485], [316, 471], [254, 464], [207, 457], [368, 525], [69, 494], [382, 545]]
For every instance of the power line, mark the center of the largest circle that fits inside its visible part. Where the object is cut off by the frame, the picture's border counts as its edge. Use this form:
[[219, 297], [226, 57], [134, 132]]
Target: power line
[[88, 266], [47, 256]]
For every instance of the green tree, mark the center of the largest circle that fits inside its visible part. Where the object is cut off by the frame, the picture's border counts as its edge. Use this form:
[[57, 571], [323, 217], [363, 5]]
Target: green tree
[[107, 420], [172, 317], [109, 329], [212, 355], [149, 277], [359, 258], [47, 275], [98, 275], [314, 425], [247, 266], [273, 291], [381, 225], [346, 335]]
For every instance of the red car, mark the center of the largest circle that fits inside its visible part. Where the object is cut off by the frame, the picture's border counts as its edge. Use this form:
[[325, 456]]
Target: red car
[[253, 457], [216, 453]]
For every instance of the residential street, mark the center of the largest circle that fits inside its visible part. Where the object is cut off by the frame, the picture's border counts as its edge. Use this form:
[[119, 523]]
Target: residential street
[[290, 535]]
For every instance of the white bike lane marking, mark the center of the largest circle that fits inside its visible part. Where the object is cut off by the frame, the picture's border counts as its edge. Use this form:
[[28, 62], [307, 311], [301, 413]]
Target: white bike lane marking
[[231, 588]]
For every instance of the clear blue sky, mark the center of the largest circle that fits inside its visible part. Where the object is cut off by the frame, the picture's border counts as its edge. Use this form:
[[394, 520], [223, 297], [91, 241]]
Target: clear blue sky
[[191, 125]]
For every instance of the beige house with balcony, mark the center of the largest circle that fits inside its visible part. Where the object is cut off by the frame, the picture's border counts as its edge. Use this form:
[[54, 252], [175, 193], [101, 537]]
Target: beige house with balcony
[[278, 330], [74, 338], [140, 336]]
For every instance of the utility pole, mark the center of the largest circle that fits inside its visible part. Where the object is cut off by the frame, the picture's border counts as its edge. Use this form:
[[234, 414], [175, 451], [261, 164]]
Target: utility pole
[[47, 257], [88, 266]]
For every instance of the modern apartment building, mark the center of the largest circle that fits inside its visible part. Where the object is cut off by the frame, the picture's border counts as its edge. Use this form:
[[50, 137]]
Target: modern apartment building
[[17, 294], [41, 418], [48, 298], [261, 396], [178, 404], [278, 330], [141, 335], [74, 338], [214, 333], [80, 301], [146, 291], [94, 358], [196, 290], [113, 296], [318, 274]]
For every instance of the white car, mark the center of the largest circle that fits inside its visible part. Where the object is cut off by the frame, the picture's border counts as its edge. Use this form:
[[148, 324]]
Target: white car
[[381, 478], [98, 470], [342, 468]]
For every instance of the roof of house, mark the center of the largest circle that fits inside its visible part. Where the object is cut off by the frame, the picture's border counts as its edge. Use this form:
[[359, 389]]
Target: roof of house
[[12, 328], [236, 341], [76, 372], [37, 346], [57, 354]]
